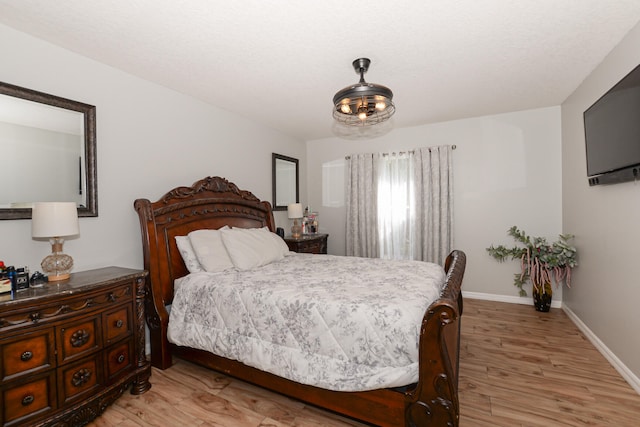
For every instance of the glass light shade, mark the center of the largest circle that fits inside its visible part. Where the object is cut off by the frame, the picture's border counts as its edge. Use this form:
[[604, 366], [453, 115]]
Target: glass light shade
[[55, 220], [373, 105]]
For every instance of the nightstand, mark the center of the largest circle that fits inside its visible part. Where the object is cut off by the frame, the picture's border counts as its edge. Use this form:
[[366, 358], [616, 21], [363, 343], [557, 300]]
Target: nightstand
[[308, 243], [70, 349]]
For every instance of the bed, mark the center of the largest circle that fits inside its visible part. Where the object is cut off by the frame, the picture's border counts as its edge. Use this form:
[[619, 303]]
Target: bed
[[213, 203]]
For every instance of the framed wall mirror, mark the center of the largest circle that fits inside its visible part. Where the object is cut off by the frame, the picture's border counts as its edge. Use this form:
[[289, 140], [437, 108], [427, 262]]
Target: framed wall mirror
[[48, 151], [285, 181]]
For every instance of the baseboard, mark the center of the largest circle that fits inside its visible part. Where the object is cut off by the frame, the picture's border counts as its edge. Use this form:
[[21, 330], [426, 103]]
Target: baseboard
[[617, 364], [622, 369], [504, 298]]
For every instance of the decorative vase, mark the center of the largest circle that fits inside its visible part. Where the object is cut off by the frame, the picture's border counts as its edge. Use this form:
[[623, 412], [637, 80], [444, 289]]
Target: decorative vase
[[542, 296]]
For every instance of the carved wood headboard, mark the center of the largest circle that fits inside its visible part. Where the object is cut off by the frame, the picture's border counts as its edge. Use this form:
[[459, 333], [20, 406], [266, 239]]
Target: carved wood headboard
[[209, 203]]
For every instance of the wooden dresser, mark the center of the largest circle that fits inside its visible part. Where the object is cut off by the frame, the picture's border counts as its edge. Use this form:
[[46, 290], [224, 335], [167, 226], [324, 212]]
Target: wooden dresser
[[69, 350], [308, 243]]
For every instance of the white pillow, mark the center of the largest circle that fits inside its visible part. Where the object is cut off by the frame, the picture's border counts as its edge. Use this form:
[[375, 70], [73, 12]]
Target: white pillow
[[188, 255], [280, 244], [252, 247], [209, 249]]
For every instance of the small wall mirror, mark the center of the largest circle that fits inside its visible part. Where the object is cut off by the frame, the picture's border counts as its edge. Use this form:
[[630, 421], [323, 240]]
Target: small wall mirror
[[48, 150], [285, 181]]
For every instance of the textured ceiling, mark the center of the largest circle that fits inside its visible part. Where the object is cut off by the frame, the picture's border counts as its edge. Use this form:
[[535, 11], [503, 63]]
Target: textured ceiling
[[280, 62]]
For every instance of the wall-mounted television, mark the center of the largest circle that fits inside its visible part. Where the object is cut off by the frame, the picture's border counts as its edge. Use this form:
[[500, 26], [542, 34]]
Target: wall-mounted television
[[612, 133]]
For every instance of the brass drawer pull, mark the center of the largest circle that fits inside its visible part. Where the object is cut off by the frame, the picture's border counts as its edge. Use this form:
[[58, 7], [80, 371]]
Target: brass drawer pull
[[120, 358], [80, 338], [27, 400], [26, 356], [81, 377], [119, 323]]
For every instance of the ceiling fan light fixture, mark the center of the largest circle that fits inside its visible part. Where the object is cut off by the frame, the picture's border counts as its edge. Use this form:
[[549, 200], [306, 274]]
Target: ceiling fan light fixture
[[363, 104]]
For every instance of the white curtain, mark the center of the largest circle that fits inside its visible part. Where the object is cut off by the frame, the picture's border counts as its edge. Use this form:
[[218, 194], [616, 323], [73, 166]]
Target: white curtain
[[400, 206], [362, 214], [397, 230], [433, 177]]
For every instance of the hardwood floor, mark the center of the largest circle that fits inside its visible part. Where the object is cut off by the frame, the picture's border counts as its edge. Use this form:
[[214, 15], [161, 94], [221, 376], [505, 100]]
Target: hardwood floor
[[522, 367], [518, 367]]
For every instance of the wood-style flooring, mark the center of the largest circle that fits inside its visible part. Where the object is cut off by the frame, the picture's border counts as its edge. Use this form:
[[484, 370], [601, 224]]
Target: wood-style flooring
[[518, 367]]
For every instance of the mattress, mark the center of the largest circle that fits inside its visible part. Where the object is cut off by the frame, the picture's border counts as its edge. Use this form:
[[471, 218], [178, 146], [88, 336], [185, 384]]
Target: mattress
[[339, 323]]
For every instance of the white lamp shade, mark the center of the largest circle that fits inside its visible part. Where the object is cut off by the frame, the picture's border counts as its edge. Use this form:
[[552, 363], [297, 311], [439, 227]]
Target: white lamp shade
[[294, 210], [54, 219]]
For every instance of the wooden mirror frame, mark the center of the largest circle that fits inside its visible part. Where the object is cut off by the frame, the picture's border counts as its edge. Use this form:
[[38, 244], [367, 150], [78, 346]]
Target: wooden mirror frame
[[274, 181], [89, 111]]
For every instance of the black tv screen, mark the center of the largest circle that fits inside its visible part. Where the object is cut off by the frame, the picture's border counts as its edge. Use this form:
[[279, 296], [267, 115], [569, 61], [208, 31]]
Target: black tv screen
[[612, 133]]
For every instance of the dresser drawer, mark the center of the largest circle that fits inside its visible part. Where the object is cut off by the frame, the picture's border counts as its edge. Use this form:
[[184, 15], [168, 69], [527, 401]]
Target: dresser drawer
[[78, 339], [76, 380], [117, 324], [316, 247], [27, 354], [27, 400], [118, 359]]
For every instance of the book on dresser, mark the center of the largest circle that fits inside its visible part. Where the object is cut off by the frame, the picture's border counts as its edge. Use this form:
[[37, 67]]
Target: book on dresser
[[70, 349]]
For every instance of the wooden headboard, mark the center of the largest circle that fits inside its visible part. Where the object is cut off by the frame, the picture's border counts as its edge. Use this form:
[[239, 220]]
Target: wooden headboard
[[209, 203]]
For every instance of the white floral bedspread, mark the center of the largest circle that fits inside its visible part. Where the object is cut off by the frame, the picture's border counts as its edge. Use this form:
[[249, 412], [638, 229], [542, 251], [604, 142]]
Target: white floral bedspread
[[339, 323]]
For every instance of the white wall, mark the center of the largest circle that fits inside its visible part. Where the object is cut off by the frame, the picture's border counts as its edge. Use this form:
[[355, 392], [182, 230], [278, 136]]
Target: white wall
[[606, 220], [149, 140], [506, 172]]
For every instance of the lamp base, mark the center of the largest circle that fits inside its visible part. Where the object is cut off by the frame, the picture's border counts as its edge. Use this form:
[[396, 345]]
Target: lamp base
[[59, 277], [296, 230], [57, 266]]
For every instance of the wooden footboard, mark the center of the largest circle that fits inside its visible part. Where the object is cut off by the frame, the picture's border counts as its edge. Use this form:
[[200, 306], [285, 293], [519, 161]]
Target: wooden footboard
[[434, 401], [214, 202]]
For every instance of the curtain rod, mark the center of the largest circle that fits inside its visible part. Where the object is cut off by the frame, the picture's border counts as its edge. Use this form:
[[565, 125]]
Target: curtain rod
[[453, 147]]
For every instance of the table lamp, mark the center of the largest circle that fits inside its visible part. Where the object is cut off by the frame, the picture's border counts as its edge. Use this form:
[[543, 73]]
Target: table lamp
[[294, 211], [55, 220]]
